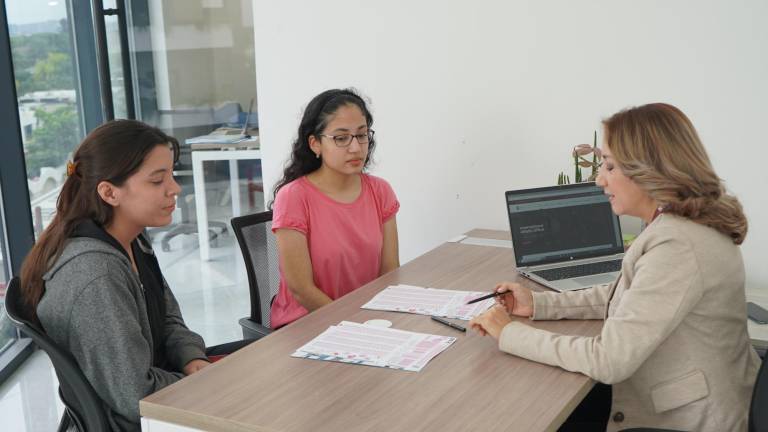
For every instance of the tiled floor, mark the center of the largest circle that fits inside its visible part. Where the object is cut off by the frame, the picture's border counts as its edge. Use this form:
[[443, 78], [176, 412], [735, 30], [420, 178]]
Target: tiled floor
[[29, 400], [213, 295]]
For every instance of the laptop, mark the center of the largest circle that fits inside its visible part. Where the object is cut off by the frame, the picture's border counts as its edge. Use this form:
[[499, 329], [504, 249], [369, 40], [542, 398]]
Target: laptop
[[225, 138], [244, 132], [565, 237]]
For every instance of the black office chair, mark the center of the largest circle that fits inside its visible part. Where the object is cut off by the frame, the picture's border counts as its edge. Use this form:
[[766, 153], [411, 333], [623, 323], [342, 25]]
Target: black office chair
[[183, 123], [84, 409], [758, 415], [188, 224], [259, 249]]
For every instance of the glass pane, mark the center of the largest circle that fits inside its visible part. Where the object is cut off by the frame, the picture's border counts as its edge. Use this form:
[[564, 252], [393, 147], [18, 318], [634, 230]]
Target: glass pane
[[43, 64], [8, 333], [193, 74], [115, 64]]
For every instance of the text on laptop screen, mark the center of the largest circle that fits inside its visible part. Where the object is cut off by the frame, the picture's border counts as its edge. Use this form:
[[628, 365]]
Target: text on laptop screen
[[558, 224]]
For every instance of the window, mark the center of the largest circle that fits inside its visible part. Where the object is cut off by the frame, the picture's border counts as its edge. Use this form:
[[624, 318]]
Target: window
[[44, 68], [187, 68], [8, 333], [193, 71]]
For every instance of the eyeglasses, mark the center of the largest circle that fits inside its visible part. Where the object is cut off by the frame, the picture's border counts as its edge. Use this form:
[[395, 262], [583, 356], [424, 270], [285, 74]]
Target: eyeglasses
[[344, 140]]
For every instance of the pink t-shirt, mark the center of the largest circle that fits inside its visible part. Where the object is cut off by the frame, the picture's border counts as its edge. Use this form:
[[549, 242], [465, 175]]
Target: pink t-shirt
[[344, 240]]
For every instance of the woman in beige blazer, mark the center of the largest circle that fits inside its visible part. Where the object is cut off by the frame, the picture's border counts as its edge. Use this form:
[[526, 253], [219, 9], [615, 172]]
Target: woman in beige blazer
[[674, 344]]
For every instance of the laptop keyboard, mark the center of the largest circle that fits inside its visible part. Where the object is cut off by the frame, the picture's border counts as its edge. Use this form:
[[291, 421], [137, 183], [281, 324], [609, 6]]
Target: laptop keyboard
[[579, 270]]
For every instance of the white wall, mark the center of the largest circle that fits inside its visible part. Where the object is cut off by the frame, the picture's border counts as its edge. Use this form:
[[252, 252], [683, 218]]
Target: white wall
[[474, 98]]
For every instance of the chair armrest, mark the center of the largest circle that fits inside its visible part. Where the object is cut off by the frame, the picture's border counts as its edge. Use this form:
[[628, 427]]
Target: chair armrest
[[253, 330]]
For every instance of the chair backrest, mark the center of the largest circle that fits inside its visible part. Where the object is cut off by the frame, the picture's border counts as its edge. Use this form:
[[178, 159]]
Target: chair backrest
[[758, 412], [84, 406], [259, 248]]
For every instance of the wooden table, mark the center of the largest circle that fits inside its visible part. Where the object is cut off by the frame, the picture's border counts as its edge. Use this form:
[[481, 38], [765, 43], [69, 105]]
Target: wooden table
[[470, 386]]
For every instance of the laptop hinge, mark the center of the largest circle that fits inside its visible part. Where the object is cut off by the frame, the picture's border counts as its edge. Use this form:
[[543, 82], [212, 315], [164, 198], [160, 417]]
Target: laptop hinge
[[571, 263]]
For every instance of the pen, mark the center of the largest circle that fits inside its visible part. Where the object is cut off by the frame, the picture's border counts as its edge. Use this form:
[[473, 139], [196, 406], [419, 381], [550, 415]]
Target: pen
[[449, 324], [487, 296]]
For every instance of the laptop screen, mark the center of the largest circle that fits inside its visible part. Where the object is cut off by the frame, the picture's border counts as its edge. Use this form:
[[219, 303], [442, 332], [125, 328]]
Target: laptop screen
[[562, 223]]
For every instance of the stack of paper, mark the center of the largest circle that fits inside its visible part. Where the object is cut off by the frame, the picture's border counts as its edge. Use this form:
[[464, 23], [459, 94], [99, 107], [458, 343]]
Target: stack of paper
[[429, 301], [355, 343]]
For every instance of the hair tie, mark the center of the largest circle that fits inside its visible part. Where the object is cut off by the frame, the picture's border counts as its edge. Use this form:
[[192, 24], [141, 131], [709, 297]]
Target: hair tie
[[71, 166]]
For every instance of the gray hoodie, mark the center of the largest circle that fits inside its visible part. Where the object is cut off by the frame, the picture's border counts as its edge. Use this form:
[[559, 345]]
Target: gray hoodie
[[94, 306]]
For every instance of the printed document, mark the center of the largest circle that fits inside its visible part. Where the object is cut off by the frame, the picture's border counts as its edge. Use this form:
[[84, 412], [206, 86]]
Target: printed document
[[355, 343], [429, 301]]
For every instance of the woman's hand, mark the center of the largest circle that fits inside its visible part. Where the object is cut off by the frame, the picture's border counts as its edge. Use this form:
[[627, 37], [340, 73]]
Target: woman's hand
[[194, 366], [518, 301], [491, 322]]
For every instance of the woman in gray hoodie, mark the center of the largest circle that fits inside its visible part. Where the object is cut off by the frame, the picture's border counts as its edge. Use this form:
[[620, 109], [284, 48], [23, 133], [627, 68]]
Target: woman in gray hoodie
[[93, 282]]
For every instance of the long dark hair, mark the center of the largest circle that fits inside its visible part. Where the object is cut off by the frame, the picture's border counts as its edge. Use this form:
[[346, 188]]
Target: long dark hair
[[316, 116], [112, 152]]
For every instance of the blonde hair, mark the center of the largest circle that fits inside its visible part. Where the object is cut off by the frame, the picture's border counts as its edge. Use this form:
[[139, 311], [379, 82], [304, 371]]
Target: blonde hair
[[657, 147]]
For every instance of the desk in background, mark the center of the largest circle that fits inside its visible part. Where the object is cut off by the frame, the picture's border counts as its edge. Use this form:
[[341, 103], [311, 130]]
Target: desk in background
[[470, 386], [201, 203]]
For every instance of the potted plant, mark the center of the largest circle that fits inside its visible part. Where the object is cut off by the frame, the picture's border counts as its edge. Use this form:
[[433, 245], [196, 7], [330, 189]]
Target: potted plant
[[580, 154]]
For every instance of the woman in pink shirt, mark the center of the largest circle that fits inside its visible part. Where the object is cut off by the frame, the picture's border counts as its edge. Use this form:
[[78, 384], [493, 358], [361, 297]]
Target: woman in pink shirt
[[335, 225]]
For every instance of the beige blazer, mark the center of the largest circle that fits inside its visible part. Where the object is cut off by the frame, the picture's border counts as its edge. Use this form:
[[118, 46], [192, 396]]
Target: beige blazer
[[674, 343]]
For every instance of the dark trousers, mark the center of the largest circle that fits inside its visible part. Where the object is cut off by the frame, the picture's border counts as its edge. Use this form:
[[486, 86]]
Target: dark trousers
[[592, 413], [227, 348]]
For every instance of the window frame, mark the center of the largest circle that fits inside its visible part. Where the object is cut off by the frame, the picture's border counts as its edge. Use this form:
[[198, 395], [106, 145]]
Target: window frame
[[15, 209]]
